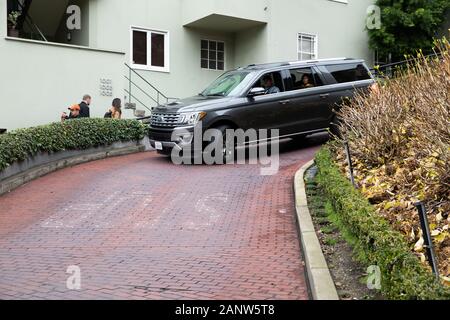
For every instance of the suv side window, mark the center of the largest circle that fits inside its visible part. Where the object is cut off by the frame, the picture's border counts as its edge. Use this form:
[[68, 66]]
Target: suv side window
[[277, 82], [349, 72], [303, 78]]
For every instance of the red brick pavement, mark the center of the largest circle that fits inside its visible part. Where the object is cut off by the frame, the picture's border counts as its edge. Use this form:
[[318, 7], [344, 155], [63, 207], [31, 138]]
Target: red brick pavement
[[140, 227]]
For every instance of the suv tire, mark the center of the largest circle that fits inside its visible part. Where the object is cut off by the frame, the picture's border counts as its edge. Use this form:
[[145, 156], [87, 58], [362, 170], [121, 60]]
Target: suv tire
[[226, 152]]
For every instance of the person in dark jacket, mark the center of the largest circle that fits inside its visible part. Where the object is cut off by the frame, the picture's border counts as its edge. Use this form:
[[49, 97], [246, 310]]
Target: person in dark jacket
[[84, 106]]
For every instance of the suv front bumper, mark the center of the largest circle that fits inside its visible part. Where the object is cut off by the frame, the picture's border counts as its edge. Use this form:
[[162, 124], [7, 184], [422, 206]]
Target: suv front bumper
[[165, 140]]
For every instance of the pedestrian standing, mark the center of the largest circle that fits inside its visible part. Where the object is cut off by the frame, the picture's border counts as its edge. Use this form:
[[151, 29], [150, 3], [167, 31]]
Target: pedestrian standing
[[84, 106]]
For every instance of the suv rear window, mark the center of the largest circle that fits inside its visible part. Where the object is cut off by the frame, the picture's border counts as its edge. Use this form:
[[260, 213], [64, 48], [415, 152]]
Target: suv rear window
[[349, 72]]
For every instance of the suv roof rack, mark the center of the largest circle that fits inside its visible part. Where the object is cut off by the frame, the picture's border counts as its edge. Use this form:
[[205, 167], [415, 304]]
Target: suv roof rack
[[319, 60], [266, 65], [282, 64]]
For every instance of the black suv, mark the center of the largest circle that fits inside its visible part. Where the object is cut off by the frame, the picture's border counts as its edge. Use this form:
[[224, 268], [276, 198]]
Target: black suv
[[298, 98]]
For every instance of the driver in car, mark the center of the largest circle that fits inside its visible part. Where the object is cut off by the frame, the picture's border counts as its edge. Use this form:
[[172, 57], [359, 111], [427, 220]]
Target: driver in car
[[269, 86]]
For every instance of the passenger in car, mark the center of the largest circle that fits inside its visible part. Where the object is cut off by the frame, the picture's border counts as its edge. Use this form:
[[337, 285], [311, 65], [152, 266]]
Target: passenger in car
[[306, 82], [269, 86]]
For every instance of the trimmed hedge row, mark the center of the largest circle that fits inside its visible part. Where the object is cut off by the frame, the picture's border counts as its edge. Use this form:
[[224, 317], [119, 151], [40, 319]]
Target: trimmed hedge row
[[403, 276], [76, 134]]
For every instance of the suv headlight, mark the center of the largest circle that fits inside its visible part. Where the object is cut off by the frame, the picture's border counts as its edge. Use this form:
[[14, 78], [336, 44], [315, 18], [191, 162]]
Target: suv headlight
[[192, 118]]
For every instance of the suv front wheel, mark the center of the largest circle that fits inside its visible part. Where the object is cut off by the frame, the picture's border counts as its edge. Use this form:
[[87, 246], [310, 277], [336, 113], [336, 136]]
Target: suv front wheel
[[226, 147]]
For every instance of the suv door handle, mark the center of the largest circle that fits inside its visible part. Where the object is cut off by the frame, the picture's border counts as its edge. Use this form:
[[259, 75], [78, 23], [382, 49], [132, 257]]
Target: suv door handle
[[284, 102], [324, 96]]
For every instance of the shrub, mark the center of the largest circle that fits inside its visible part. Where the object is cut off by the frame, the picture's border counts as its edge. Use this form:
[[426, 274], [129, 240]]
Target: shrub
[[376, 243], [400, 142], [71, 135]]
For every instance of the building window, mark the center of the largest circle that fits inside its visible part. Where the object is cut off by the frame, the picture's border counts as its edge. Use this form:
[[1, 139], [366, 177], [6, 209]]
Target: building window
[[307, 46], [212, 55], [150, 49]]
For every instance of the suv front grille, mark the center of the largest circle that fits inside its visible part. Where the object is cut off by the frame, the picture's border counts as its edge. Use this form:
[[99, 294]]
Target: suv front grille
[[165, 120]]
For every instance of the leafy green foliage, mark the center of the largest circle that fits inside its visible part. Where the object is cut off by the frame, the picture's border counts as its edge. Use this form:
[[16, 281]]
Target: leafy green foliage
[[13, 17], [71, 135], [376, 243], [407, 26]]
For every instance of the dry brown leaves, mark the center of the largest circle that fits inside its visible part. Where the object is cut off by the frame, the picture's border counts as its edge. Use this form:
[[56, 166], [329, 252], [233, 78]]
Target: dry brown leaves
[[400, 143]]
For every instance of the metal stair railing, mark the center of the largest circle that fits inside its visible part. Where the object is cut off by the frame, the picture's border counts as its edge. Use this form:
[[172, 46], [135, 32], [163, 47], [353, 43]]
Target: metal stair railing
[[160, 97], [389, 66], [141, 90], [130, 95], [26, 18]]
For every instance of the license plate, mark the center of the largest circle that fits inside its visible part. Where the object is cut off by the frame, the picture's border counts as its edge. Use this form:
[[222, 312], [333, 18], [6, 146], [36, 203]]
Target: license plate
[[158, 146]]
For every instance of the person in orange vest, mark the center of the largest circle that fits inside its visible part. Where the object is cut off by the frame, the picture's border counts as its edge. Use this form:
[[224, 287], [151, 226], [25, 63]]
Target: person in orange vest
[[74, 113]]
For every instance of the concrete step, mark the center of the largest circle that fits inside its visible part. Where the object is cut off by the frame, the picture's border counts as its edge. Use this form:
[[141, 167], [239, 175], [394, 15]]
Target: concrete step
[[130, 106], [139, 113]]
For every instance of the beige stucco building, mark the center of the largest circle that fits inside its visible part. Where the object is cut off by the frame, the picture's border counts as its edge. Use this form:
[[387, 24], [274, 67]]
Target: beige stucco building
[[68, 48]]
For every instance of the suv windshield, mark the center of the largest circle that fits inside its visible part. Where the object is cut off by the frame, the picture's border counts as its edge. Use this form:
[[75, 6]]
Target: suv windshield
[[229, 84]]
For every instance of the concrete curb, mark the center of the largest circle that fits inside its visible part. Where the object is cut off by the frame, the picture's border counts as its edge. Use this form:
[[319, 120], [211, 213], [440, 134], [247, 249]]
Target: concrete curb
[[39, 166], [321, 284]]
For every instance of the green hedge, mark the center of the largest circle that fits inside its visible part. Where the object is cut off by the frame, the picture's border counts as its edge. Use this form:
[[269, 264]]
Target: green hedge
[[403, 276], [71, 135]]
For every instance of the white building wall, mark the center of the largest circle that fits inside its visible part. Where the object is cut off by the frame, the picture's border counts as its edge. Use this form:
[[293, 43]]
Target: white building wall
[[340, 28], [186, 77], [3, 26], [252, 46], [39, 80], [247, 9]]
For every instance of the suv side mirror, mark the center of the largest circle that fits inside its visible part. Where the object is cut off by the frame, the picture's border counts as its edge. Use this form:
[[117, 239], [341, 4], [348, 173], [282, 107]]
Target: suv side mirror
[[258, 91]]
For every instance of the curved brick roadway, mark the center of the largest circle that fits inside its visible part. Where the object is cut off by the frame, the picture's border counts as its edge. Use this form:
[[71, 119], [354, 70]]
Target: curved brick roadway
[[142, 228]]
